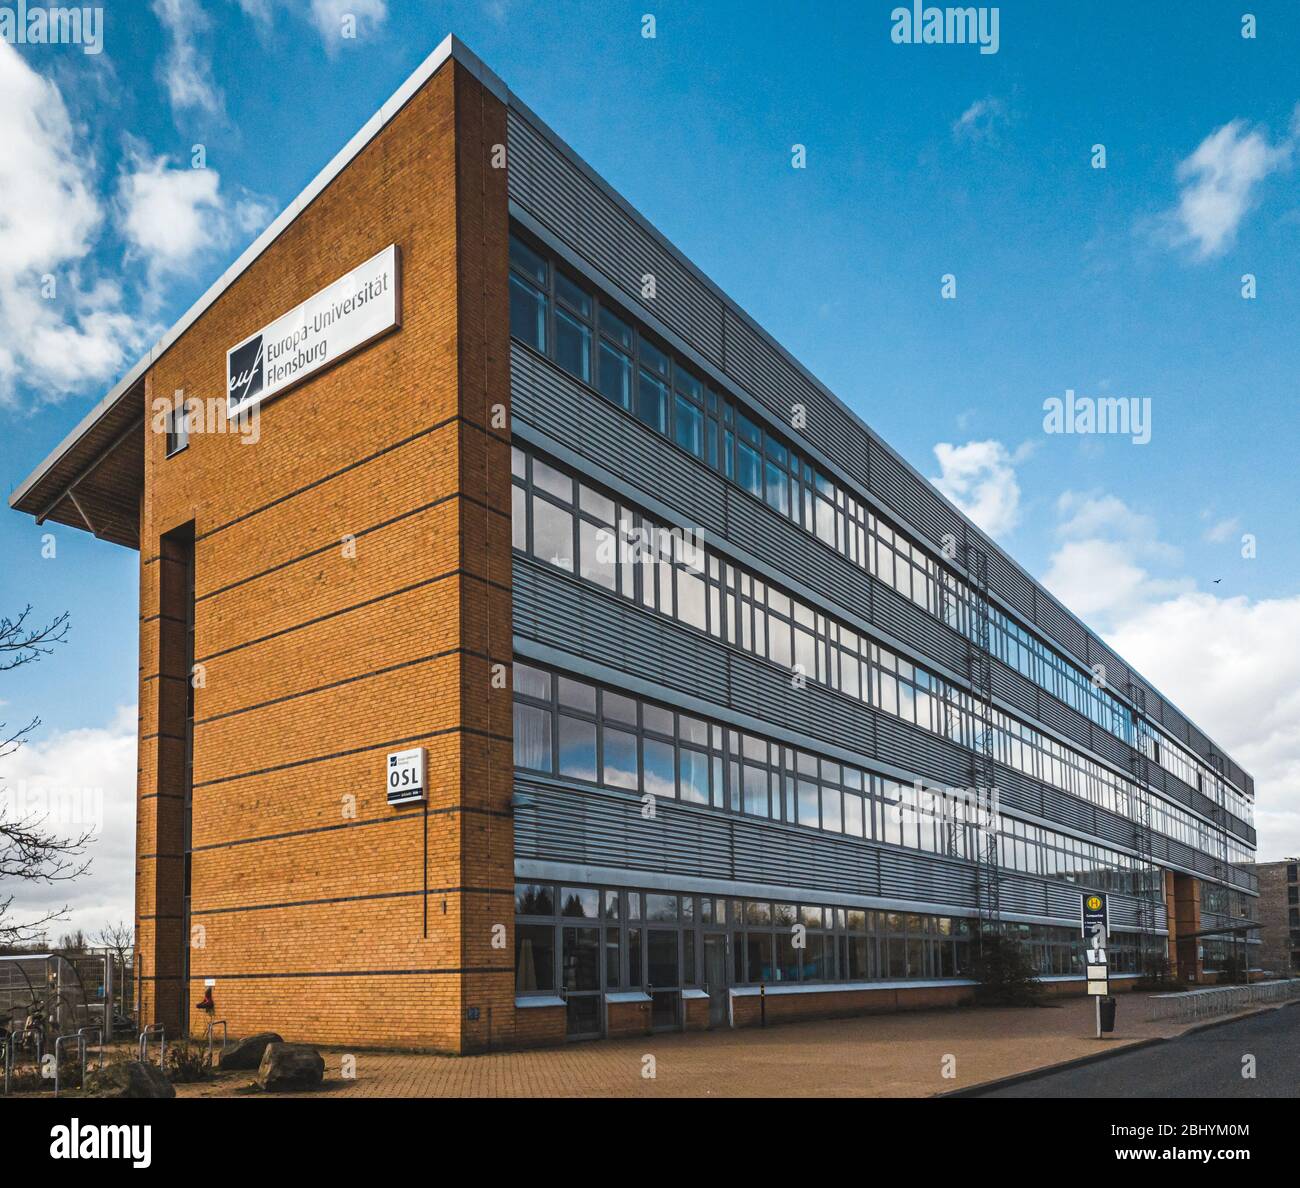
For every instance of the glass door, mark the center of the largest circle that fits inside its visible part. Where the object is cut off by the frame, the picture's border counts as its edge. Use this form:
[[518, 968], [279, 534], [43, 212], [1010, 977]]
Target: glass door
[[663, 967], [581, 957], [715, 976]]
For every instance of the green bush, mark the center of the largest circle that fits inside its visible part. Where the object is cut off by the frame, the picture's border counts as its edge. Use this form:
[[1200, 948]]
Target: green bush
[[1004, 969], [1157, 977], [186, 1063]]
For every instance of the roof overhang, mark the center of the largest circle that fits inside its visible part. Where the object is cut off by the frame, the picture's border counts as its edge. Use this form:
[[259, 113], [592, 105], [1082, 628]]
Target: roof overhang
[[94, 477]]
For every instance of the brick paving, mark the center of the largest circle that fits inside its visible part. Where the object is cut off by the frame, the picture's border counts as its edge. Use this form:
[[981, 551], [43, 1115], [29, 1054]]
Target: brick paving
[[901, 1055]]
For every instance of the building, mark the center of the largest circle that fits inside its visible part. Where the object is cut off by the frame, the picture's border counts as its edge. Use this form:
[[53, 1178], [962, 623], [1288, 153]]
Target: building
[[712, 691], [1279, 916]]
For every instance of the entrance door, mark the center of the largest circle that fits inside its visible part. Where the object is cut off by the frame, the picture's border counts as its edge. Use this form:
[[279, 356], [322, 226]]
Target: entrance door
[[715, 976], [581, 949], [663, 966]]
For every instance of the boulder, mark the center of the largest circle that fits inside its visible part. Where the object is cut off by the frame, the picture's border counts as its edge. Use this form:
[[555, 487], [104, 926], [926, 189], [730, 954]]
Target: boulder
[[130, 1078], [247, 1053], [290, 1066]]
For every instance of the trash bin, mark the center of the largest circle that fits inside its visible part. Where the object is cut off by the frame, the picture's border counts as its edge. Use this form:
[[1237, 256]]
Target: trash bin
[[1107, 1013]]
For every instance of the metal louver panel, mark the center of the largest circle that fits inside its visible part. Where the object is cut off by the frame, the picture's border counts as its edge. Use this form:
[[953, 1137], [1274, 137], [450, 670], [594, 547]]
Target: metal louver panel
[[567, 201]]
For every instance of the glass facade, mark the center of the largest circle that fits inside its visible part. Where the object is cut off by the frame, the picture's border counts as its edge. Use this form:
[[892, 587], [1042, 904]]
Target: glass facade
[[578, 731], [644, 377], [577, 940], [585, 942], [572, 525]]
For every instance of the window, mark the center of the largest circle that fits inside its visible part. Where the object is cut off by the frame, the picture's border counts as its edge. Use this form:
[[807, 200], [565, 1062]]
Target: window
[[598, 549], [615, 377], [577, 748], [528, 272], [694, 770], [532, 737], [534, 957], [749, 463], [178, 429], [572, 345], [572, 328], [688, 427], [552, 534], [660, 774], [620, 766], [534, 899], [652, 401]]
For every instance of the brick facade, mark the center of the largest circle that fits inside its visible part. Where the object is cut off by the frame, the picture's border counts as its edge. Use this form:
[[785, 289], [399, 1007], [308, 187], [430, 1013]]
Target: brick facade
[[351, 597], [1278, 949]]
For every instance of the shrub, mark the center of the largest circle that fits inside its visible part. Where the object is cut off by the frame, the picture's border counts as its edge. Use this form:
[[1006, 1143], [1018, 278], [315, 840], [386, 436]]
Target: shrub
[[1004, 969], [186, 1063], [1157, 976]]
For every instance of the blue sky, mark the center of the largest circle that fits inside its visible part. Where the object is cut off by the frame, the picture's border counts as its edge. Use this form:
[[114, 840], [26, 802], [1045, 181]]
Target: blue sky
[[922, 160]]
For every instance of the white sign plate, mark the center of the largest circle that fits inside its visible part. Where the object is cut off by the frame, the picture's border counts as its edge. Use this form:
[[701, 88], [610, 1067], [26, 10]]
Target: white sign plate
[[404, 776], [354, 310]]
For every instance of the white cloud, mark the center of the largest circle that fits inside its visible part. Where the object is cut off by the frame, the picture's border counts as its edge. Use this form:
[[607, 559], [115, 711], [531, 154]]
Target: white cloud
[[80, 779], [1231, 666], [980, 478], [1219, 185], [328, 16], [1101, 568], [260, 11], [186, 70], [981, 120], [60, 332], [171, 216], [1222, 530], [1228, 663]]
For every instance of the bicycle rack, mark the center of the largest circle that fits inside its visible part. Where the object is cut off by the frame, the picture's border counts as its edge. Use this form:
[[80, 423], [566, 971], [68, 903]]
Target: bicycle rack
[[16, 1037], [80, 1040], [224, 1036], [95, 1031], [153, 1029]]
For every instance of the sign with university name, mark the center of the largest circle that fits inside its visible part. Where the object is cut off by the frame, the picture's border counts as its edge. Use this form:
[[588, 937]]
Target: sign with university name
[[353, 311], [405, 776]]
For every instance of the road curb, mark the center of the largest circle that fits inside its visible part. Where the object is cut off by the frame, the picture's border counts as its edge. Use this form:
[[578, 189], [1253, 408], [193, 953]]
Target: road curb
[[1048, 1070]]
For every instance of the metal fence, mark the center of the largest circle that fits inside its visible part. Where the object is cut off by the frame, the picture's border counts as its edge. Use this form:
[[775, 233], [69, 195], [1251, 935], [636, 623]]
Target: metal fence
[[1191, 1005]]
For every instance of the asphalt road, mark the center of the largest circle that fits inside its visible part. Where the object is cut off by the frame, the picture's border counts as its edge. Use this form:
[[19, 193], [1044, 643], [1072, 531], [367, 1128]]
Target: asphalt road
[[1206, 1063]]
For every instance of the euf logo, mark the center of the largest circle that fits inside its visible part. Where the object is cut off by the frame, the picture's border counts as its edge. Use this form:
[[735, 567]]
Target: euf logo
[[244, 373]]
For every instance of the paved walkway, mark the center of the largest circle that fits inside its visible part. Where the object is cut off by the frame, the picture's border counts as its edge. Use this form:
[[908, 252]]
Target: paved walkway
[[903, 1055]]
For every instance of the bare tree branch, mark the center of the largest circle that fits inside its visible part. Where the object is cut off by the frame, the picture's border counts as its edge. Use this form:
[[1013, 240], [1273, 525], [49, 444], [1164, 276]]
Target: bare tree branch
[[21, 644], [29, 851], [118, 939]]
